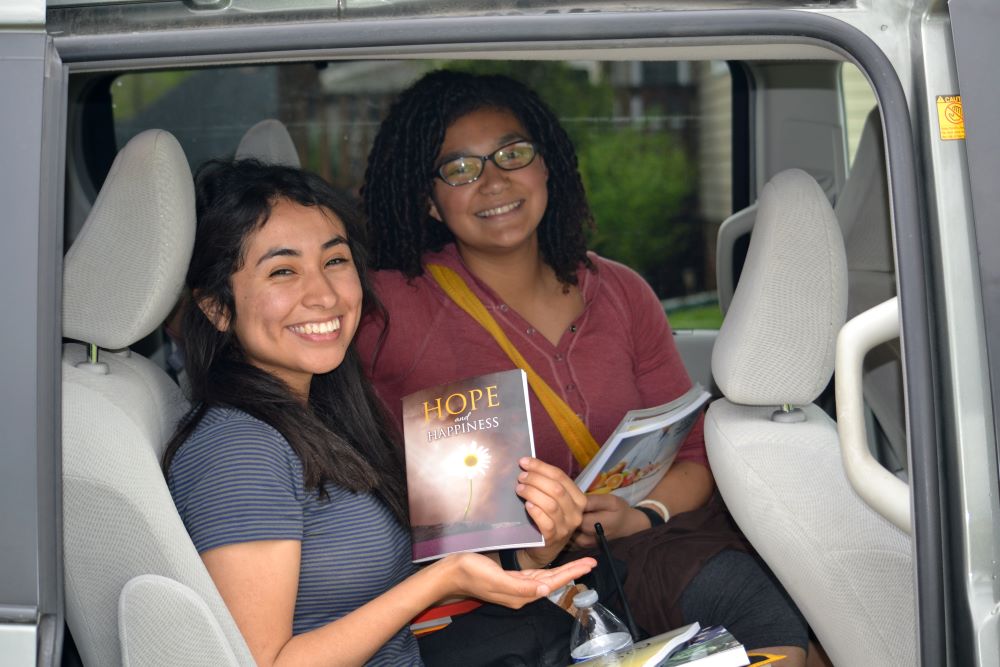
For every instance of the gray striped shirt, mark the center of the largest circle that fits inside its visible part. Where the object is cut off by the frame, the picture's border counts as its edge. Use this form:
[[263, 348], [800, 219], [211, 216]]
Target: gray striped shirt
[[236, 479]]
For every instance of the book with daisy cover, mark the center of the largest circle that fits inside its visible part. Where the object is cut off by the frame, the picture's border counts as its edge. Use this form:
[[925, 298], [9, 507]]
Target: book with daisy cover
[[463, 442]]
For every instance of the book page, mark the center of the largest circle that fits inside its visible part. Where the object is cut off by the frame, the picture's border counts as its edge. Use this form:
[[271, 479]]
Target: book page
[[641, 460], [643, 447]]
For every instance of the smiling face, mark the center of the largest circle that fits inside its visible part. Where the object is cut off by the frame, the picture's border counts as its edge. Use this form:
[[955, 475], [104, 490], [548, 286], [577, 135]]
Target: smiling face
[[297, 295], [500, 211]]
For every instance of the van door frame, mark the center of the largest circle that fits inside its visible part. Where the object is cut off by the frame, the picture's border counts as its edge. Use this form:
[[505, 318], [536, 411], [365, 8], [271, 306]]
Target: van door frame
[[388, 38], [32, 136], [973, 28]]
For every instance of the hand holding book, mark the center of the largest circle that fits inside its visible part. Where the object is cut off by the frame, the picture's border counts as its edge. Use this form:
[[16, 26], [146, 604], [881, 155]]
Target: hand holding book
[[617, 516], [472, 479], [554, 503], [632, 465], [642, 448]]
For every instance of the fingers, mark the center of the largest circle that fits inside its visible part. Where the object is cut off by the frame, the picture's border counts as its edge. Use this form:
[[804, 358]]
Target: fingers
[[567, 571], [602, 502], [585, 536], [587, 524], [482, 578], [558, 577], [547, 490], [617, 517], [554, 503], [551, 479], [610, 511]]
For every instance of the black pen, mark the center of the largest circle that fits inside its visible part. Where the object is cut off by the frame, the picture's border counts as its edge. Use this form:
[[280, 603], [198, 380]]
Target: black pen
[[618, 582]]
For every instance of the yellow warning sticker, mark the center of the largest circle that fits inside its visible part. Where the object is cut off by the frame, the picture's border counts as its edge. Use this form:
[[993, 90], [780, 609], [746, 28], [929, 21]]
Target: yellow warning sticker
[[950, 118]]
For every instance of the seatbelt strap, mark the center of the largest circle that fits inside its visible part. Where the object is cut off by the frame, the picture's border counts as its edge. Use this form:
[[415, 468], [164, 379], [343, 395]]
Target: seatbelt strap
[[579, 440]]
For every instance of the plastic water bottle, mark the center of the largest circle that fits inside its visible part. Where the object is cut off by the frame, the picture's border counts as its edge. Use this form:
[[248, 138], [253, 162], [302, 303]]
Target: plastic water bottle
[[596, 630]]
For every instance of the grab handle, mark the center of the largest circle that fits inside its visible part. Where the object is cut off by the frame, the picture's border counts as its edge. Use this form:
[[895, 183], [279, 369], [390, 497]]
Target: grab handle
[[884, 492]]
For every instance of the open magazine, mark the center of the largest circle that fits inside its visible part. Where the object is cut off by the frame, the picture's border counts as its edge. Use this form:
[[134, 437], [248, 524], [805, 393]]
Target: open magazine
[[687, 646], [642, 448]]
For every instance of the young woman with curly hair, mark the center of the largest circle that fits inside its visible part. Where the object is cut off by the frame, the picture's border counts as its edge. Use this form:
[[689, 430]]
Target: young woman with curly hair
[[475, 174]]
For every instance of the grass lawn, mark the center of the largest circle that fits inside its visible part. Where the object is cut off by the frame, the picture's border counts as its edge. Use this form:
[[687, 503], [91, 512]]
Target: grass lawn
[[707, 316]]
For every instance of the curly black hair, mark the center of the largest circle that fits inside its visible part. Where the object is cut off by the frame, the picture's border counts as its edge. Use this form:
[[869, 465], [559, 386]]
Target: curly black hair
[[399, 175]]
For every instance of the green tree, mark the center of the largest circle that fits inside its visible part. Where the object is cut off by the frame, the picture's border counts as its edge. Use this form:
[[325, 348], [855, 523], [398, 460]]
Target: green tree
[[637, 181]]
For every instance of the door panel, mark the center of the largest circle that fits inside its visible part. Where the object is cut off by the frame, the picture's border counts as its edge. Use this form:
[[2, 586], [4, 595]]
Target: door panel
[[31, 152]]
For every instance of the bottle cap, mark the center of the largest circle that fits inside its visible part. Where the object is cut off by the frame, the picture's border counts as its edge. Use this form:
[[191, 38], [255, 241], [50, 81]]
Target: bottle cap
[[585, 599]]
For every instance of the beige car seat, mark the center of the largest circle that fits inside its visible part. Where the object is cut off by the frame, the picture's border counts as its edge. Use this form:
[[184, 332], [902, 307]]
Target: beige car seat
[[862, 210], [269, 142], [776, 456], [137, 592]]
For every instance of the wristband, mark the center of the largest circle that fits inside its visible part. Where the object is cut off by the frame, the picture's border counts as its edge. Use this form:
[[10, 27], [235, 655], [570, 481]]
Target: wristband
[[508, 559], [654, 517], [662, 513]]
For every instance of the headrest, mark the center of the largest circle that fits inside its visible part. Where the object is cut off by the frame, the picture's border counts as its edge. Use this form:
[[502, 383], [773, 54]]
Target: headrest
[[269, 142], [777, 342], [863, 205], [126, 267]]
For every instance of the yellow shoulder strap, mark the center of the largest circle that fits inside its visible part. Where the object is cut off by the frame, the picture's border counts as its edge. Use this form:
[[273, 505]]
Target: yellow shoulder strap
[[573, 430]]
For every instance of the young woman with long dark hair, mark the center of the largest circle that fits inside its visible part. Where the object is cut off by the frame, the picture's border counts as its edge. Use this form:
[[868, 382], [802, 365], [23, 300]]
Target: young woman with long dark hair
[[285, 471]]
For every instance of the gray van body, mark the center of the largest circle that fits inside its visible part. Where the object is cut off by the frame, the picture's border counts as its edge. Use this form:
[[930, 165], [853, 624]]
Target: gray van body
[[944, 196]]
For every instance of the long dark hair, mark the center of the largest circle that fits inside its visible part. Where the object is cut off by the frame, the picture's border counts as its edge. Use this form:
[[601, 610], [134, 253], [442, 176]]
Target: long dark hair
[[398, 178], [343, 435]]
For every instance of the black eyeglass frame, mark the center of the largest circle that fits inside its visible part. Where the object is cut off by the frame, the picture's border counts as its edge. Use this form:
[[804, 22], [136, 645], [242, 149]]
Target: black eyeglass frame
[[484, 158]]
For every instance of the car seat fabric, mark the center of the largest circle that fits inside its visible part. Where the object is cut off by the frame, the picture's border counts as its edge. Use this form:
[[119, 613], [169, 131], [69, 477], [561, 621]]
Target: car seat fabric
[[119, 521], [126, 267], [147, 603], [848, 569], [269, 142], [778, 322]]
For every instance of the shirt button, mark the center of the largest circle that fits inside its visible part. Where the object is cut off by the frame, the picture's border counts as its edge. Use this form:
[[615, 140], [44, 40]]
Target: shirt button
[[503, 307], [572, 328], [529, 330], [559, 357], [570, 387]]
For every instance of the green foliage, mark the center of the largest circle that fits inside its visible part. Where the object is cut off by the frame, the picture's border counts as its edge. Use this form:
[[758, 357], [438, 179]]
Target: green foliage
[[637, 181], [132, 93], [708, 316]]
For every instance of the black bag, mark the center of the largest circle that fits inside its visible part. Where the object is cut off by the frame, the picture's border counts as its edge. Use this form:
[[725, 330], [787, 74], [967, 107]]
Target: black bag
[[536, 635]]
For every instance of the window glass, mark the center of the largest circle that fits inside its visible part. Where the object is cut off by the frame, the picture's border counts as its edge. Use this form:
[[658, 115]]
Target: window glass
[[653, 140], [859, 99]]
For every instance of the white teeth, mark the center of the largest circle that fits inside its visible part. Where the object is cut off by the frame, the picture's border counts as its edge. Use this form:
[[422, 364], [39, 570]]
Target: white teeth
[[318, 327], [499, 210]]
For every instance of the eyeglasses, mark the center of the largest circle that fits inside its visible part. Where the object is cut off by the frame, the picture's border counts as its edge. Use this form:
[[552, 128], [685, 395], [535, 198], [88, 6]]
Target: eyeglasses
[[467, 169]]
